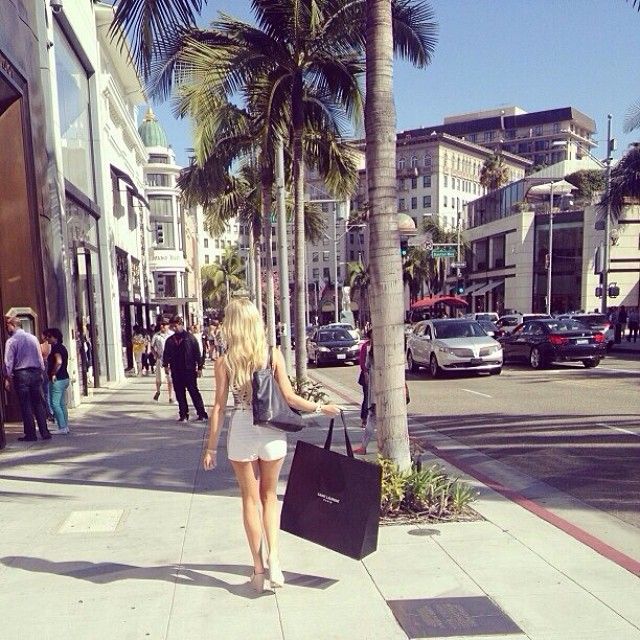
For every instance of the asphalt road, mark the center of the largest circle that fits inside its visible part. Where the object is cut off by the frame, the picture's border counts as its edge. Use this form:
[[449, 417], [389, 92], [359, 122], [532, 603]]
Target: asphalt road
[[576, 429]]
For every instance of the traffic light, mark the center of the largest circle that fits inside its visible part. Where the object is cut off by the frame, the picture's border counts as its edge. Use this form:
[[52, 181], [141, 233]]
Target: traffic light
[[404, 248], [614, 290], [460, 287]]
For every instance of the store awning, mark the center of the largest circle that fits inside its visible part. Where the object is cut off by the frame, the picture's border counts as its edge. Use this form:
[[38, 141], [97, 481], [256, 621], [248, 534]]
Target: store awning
[[128, 180], [439, 299], [488, 287]]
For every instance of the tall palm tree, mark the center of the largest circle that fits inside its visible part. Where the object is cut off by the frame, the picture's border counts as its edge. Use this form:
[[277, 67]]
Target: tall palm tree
[[227, 275], [494, 173], [359, 280], [625, 182], [386, 285], [416, 270]]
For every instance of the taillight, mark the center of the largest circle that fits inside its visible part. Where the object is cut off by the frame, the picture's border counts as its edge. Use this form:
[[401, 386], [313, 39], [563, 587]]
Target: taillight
[[599, 337], [554, 339]]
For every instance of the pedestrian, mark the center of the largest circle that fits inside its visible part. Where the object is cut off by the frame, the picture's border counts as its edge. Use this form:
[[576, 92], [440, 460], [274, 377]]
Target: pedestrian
[[57, 363], [197, 334], [137, 347], [157, 348], [256, 453], [370, 424], [621, 323], [220, 342], [24, 370], [633, 318], [45, 349], [211, 342], [362, 379], [183, 358]]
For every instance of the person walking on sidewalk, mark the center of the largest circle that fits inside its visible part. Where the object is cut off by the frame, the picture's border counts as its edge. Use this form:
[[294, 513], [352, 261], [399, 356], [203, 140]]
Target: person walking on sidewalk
[[24, 369], [157, 348], [45, 349], [362, 379], [634, 324], [371, 424], [58, 376], [256, 453], [137, 347], [183, 358]]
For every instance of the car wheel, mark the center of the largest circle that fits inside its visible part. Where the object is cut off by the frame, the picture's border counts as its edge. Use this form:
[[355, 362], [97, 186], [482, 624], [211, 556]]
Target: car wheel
[[591, 362], [495, 372], [434, 367], [412, 366], [536, 359]]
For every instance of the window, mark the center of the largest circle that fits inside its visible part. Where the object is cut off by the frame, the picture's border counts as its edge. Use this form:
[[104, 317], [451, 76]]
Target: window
[[473, 137], [414, 183], [556, 127], [511, 134], [163, 235], [206, 258], [537, 130], [206, 243], [325, 256], [444, 201], [74, 102], [326, 273], [166, 285], [315, 274], [158, 179], [315, 256], [338, 273], [401, 164], [427, 161], [445, 180], [414, 162], [426, 181], [426, 202], [155, 158], [488, 136], [352, 256], [401, 204], [160, 206], [414, 203]]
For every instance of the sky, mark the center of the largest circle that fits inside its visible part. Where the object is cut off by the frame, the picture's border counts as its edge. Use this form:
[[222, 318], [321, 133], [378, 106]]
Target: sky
[[535, 54]]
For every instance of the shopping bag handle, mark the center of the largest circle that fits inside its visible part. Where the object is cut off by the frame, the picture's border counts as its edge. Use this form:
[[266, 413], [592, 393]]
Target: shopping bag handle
[[327, 442]]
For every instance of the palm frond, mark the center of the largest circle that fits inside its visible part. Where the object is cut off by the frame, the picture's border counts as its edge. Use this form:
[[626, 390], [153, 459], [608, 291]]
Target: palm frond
[[632, 118], [415, 31]]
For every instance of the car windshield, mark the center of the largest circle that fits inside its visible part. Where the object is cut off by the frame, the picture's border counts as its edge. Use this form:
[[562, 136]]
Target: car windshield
[[558, 326], [592, 319], [335, 335], [487, 325], [455, 329]]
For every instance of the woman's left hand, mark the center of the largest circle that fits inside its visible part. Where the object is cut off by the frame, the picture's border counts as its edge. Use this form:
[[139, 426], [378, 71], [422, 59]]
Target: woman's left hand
[[331, 410]]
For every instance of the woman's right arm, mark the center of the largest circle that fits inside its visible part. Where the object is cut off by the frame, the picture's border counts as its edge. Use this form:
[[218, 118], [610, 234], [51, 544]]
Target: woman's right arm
[[216, 415]]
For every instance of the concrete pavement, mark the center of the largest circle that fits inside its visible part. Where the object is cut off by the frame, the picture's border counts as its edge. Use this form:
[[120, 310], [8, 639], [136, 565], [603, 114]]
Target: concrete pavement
[[116, 532]]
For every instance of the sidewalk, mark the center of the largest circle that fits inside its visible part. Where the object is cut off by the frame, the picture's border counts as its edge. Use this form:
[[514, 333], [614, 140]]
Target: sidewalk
[[116, 533], [625, 348]]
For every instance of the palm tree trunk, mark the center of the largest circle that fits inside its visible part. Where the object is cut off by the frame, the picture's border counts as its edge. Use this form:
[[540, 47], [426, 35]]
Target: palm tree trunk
[[385, 261], [266, 185], [251, 265], [298, 198]]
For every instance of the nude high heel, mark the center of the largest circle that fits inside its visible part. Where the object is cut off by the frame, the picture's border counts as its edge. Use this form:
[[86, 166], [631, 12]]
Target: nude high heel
[[257, 582]]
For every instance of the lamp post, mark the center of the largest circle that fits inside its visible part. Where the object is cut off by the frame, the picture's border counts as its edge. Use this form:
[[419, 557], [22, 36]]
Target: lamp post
[[550, 254], [607, 222]]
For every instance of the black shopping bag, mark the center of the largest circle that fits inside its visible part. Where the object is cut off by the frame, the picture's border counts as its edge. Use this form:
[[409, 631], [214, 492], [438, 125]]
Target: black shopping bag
[[333, 499]]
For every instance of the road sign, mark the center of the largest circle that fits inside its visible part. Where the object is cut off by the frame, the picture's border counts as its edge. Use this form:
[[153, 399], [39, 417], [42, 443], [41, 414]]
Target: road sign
[[443, 252], [458, 265]]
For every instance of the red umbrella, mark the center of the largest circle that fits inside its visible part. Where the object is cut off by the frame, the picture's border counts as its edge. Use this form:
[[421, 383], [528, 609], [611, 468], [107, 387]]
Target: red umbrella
[[439, 299]]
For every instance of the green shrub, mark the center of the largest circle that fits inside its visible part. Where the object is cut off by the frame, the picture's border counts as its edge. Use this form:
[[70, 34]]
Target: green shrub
[[309, 390], [427, 492]]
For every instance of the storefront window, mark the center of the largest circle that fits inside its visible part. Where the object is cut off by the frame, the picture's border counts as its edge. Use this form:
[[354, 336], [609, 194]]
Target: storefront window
[[74, 116]]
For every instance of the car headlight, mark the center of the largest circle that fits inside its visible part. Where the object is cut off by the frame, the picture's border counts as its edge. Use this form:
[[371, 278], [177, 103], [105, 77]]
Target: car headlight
[[355, 347], [496, 348], [324, 349], [445, 350]]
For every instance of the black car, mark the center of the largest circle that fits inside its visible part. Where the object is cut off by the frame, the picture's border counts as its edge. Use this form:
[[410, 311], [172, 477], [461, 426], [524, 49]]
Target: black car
[[541, 342], [491, 329], [333, 345]]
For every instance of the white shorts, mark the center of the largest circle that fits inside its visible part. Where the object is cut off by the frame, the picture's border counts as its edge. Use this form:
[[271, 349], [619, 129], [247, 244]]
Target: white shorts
[[247, 442]]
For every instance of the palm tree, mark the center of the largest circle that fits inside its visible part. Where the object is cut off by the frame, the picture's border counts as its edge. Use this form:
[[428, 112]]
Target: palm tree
[[359, 280], [494, 173], [386, 285], [416, 269], [437, 267], [227, 276], [625, 181]]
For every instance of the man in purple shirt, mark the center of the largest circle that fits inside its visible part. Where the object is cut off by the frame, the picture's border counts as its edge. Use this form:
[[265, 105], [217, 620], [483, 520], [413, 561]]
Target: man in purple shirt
[[24, 369]]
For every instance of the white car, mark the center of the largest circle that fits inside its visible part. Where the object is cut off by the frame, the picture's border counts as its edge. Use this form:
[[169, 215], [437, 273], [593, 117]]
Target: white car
[[491, 316], [453, 345]]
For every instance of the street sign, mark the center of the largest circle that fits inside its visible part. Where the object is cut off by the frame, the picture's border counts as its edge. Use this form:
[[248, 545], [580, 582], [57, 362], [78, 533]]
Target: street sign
[[458, 265], [443, 252]]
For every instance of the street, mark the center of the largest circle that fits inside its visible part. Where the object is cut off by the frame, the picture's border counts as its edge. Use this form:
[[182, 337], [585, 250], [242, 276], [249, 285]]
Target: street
[[575, 429]]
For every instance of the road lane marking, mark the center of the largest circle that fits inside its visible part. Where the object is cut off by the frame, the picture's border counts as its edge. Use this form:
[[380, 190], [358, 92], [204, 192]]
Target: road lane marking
[[484, 395], [609, 426]]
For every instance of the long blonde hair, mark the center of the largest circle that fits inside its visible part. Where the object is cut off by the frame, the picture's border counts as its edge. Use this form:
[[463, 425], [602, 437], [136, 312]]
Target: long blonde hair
[[246, 340]]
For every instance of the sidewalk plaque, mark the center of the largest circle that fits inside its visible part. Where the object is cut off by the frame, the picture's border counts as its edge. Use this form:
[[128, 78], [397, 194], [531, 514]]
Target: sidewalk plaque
[[447, 617]]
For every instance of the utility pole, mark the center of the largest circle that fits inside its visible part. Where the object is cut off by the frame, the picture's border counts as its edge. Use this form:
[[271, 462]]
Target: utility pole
[[607, 224], [283, 259], [550, 254], [335, 262]]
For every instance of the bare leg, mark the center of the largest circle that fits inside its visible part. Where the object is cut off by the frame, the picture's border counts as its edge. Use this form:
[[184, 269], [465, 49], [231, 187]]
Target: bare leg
[[248, 483], [269, 473], [169, 387]]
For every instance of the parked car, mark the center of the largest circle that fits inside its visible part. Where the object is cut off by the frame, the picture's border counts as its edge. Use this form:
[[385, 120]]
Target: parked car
[[595, 322], [541, 342], [452, 345], [484, 315], [332, 345], [508, 323], [490, 328], [344, 325]]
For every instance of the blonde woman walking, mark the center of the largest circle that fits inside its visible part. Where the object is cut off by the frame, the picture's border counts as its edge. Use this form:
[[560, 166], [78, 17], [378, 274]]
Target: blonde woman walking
[[256, 453]]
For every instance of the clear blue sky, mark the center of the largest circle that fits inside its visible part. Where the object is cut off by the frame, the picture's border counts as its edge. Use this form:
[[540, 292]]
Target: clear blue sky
[[536, 54]]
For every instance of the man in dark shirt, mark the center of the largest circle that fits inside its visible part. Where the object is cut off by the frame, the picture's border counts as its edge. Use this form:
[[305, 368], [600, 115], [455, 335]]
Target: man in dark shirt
[[24, 369], [184, 359]]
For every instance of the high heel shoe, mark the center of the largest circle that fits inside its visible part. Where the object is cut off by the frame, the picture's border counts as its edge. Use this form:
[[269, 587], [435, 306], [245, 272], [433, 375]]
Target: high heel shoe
[[276, 577], [257, 581]]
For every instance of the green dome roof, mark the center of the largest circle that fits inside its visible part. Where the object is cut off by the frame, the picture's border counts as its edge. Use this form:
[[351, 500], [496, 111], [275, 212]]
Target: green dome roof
[[151, 131]]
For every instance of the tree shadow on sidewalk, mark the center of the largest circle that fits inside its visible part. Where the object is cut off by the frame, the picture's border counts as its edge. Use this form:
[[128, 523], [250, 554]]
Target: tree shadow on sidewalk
[[187, 574]]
